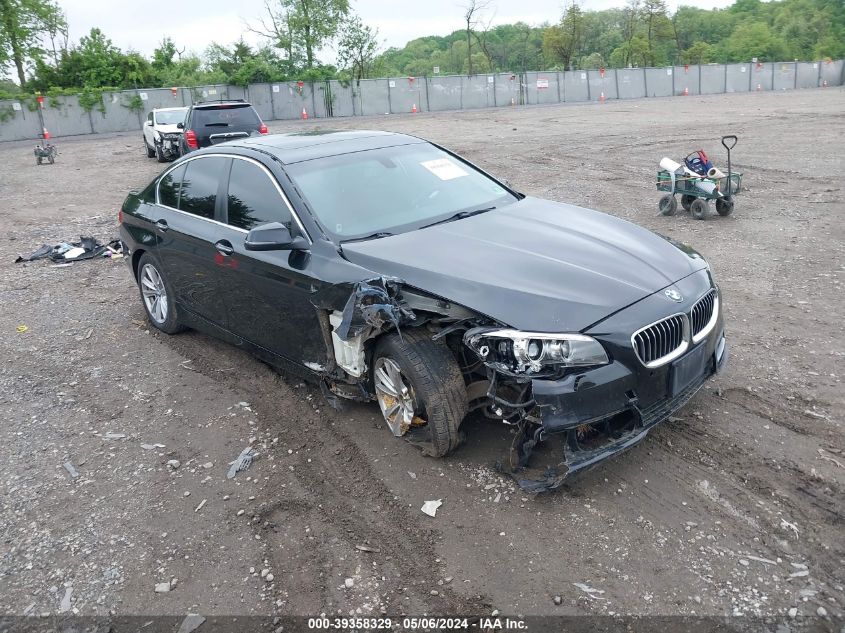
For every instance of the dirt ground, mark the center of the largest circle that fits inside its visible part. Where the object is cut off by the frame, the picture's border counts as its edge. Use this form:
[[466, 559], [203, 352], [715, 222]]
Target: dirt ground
[[735, 506]]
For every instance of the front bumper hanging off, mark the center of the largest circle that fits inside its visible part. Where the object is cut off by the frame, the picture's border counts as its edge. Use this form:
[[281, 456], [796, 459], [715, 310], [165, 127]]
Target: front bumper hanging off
[[594, 416]]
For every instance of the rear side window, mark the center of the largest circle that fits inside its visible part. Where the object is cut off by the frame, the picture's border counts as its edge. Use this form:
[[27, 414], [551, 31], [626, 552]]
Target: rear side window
[[168, 188], [253, 197], [200, 184], [226, 116]]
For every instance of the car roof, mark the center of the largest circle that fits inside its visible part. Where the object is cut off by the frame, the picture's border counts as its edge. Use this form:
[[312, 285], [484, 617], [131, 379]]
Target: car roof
[[222, 103], [295, 147]]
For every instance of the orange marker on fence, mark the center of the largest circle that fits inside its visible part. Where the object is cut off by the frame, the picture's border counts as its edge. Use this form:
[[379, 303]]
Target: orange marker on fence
[[686, 92], [601, 98], [304, 115], [46, 134], [414, 109]]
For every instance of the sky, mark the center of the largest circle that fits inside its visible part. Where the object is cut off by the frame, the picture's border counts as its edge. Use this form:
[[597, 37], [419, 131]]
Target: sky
[[193, 24]]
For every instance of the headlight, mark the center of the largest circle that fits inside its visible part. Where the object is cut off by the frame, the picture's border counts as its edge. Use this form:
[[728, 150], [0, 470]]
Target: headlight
[[533, 351]]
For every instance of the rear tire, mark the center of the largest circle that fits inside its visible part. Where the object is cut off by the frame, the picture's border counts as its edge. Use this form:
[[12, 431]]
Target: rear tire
[[668, 205], [698, 208], [157, 296], [686, 202], [435, 387], [725, 206]]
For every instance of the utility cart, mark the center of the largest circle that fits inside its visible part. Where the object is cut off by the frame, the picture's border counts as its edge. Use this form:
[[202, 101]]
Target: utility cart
[[695, 191]]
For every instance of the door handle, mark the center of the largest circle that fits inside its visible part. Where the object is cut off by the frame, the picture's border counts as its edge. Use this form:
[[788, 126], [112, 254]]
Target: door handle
[[161, 225], [224, 247]]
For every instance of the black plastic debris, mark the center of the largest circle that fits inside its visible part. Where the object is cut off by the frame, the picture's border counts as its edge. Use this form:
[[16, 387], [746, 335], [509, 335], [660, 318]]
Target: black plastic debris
[[85, 248]]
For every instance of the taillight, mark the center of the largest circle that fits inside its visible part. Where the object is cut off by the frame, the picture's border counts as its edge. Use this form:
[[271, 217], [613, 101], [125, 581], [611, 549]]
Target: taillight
[[191, 139], [120, 217], [262, 129]]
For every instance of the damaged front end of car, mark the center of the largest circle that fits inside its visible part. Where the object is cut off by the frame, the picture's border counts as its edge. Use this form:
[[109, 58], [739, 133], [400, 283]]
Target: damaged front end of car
[[573, 399]]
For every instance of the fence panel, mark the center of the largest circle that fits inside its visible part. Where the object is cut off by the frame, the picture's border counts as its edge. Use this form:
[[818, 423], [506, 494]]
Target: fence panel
[[784, 76], [478, 91], [602, 84], [737, 77], [342, 97], [658, 82], [444, 93], [832, 72], [630, 83], [373, 97], [261, 98], [542, 87], [712, 79], [21, 122], [808, 75], [506, 89], [405, 93], [762, 76], [686, 80], [576, 86]]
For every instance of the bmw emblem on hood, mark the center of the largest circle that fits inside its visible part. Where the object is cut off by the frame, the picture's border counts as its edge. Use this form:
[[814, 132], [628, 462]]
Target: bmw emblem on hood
[[674, 295]]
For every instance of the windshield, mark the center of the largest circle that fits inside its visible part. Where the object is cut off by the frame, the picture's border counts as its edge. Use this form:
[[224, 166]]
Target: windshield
[[226, 116], [392, 190], [170, 117]]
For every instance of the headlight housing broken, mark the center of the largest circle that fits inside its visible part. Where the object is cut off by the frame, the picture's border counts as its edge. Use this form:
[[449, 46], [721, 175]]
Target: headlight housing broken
[[533, 352]]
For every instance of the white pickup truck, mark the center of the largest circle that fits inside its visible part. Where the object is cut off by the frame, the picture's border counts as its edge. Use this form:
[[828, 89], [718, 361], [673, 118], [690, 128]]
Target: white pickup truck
[[161, 136]]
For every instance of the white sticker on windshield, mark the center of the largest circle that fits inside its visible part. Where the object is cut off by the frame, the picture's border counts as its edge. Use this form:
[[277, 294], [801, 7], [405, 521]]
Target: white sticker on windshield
[[444, 169]]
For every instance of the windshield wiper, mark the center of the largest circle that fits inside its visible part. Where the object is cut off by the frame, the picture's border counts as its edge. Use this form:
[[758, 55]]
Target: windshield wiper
[[372, 236], [460, 215]]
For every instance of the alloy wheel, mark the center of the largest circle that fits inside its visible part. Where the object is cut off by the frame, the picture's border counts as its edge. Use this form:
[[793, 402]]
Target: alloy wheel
[[154, 293], [395, 396]]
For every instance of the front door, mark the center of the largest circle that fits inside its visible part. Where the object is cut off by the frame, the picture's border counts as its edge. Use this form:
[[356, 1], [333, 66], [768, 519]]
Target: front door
[[267, 292]]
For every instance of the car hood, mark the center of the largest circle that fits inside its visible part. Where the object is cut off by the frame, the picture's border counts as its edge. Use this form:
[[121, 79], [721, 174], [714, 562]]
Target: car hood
[[168, 129], [534, 265]]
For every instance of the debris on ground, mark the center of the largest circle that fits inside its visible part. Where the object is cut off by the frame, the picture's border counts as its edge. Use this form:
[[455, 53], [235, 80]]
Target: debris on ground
[[114, 436], [590, 591], [149, 447], [65, 604], [191, 623], [242, 462], [85, 248], [367, 548], [200, 506], [430, 507], [71, 470], [164, 587]]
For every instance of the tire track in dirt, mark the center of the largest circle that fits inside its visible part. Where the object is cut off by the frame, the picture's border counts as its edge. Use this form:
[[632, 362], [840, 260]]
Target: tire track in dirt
[[332, 481]]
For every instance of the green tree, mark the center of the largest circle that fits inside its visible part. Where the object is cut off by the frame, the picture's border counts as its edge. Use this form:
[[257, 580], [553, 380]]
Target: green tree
[[561, 43], [357, 47], [302, 24], [23, 24]]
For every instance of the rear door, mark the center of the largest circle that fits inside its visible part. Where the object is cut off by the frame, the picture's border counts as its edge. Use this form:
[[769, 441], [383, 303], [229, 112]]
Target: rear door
[[224, 122], [188, 228], [267, 292]]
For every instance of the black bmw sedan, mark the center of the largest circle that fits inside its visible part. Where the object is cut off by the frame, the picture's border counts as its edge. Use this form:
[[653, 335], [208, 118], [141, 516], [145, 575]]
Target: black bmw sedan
[[387, 268]]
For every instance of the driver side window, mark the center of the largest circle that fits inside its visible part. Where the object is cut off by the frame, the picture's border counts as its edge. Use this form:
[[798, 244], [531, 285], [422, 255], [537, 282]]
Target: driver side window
[[253, 198]]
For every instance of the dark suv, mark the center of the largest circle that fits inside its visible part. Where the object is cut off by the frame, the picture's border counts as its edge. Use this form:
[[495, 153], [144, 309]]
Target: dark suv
[[211, 122]]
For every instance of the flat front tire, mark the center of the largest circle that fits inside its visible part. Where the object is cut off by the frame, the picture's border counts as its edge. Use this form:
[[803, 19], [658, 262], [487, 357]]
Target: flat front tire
[[420, 390], [147, 149], [157, 295]]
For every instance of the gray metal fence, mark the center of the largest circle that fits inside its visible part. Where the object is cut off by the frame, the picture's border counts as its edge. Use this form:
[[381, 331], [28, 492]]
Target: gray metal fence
[[65, 116]]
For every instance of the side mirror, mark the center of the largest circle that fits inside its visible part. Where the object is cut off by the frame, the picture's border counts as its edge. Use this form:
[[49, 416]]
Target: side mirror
[[148, 122], [274, 237], [180, 125]]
